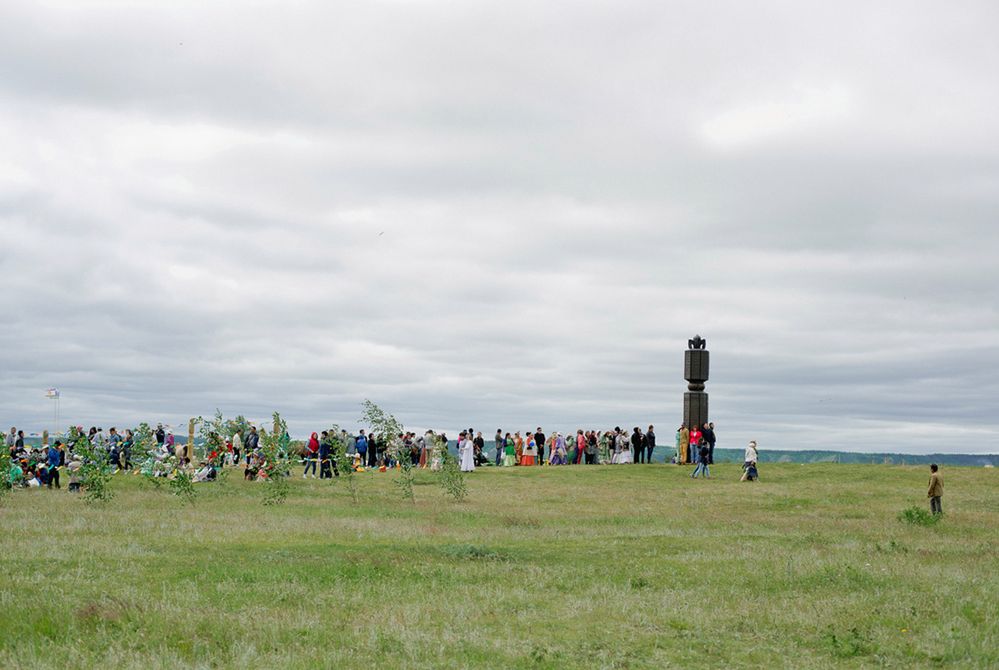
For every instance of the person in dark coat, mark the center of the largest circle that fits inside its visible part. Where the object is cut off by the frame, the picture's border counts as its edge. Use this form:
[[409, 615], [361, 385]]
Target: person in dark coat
[[708, 433]]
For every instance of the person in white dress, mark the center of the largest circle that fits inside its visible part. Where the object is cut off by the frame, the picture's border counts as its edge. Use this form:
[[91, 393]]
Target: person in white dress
[[467, 451], [623, 450]]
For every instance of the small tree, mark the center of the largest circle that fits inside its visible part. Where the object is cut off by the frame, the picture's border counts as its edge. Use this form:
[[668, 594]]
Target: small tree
[[452, 479], [143, 448], [5, 483], [389, 428], [95, 468], [274, 446]]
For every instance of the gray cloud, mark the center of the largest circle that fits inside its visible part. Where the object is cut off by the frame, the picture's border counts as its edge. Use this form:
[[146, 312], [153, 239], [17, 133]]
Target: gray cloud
[[505, 214]]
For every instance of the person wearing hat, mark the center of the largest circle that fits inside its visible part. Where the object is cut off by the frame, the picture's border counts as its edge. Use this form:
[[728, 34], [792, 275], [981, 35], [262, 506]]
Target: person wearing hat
[[73, 467], [749, 463]]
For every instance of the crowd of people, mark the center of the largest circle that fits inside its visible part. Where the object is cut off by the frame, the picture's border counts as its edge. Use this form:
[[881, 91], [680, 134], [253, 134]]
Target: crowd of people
[[322, 455]]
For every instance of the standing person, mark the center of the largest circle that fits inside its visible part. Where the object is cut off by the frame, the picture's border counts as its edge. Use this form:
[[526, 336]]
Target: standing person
[[558, 450], [479, 444], [237, 447], [935, 491], [311, 455], [709, 434], [252, 442], [638, 445], [530, 450], [606, 441], [749, 473], [518, 444], [467, 451], [376, 450], [539, 442], [580, 446], [695, 441], [54, 458], [327, 461], [361, 445], [160, 436], [509, 451], [622, 452], [591, 447], [500, 443], [114, 445], [702, 460], [10, 439], [126, 450], [684, 442], [650, 444]]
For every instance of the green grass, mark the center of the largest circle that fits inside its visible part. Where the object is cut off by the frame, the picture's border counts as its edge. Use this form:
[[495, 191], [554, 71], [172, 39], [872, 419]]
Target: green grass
[[594, 567]]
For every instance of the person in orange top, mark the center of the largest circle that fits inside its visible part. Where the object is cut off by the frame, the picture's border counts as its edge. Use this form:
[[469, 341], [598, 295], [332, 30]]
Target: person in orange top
[[518, 448]]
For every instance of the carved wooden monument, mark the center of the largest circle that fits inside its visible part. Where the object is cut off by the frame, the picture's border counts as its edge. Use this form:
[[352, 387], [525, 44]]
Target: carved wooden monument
[[695, 370]]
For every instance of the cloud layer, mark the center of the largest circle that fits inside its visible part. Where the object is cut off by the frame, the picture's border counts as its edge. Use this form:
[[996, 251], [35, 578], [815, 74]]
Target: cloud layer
[[505, 214]]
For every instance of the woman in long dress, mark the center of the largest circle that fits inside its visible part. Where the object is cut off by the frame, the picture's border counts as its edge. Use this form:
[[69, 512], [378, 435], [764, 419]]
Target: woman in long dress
[[558, 450], [623, 450], [605, 441], [467, 450], [509, 451], [518, 452], [530, 450], [437, 445]]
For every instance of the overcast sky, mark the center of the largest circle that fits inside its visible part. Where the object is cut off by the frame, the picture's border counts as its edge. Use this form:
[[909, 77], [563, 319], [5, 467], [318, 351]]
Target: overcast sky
[[505, 214]]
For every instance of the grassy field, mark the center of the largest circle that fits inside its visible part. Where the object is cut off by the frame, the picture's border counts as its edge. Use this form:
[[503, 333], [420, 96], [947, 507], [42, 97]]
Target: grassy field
[[595, 567]]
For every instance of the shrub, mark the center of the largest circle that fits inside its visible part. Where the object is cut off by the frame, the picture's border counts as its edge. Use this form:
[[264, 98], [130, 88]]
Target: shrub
[[918, 516]]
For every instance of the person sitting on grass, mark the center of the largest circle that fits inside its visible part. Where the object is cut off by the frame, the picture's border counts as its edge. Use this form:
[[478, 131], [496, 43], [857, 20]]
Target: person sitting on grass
[[31, 479], [73, 467], [42, 473], [702, 460], [16, 474], [252, 468], [206, 473]]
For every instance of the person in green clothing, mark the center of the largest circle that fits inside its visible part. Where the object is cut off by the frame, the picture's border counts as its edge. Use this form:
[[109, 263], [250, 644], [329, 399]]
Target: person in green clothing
[[606, 446], [509, 451]]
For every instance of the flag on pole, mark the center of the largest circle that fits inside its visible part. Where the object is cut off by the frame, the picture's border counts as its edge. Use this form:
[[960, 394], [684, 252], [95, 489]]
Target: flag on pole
[[52, 393]]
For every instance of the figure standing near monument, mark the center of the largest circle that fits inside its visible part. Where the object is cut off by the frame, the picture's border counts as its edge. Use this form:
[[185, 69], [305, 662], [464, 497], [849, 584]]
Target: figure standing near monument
[[684, 444], [709, 434]]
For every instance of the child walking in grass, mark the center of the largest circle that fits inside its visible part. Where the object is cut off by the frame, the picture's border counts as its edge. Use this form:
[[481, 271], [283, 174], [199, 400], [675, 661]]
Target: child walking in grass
[[702, 459]]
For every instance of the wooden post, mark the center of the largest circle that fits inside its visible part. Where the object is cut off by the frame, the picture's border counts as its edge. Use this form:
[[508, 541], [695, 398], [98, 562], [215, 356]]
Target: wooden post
[[190, 440], [45, 439]]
